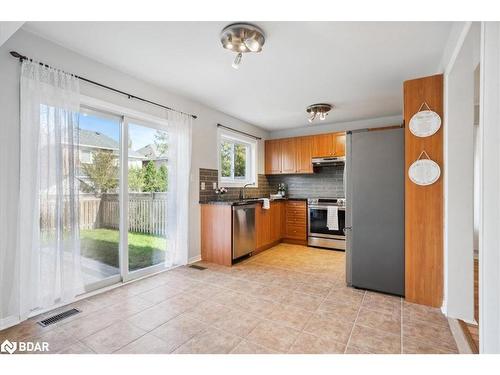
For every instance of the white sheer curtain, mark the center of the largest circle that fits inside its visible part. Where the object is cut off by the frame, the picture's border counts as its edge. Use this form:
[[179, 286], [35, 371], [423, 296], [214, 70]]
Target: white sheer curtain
[[179, 169], [48, 237]]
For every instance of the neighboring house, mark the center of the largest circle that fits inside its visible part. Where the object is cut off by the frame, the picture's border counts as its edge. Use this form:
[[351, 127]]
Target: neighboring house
[[150, 152], [92, 141]]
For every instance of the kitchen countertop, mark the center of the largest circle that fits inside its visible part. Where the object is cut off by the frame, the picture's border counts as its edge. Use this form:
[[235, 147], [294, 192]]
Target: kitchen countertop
[[231, 202]]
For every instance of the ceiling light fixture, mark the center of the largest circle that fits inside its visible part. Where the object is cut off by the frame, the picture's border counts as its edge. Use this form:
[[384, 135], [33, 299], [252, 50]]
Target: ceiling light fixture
[[242, 38], [319, 110]]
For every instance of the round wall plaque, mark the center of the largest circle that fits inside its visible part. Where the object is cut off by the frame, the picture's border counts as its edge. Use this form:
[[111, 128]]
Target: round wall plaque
[[424, 172], [425, 123]]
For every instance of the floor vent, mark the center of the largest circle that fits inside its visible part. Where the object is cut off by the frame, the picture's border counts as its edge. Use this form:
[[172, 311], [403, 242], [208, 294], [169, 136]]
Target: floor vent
[[56, 318], [197, 267]]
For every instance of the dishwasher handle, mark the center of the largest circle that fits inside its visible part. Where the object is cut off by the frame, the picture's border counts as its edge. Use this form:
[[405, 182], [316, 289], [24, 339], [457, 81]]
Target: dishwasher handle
[[242, 206]]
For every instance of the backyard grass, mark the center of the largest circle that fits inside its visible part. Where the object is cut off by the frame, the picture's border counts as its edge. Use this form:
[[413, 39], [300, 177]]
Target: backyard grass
[[102, 245]]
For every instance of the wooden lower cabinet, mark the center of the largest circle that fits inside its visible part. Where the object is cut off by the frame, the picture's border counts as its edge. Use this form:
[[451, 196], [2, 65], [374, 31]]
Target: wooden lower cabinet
[[216, 233], [283, 221], [262, 226], [268, 225], [296, 220], [276, 218]]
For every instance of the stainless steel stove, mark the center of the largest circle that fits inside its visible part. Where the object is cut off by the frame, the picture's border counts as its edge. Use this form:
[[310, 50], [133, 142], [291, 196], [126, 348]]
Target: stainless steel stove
[[318, 233]]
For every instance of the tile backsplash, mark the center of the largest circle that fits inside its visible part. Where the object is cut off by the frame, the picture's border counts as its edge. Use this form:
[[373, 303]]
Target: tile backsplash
[[326, 182], [210, 176]]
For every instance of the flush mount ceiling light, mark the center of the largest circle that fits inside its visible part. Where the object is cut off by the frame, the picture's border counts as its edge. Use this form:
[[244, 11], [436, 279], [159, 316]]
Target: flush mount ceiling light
[[242, 38], [319, 110]]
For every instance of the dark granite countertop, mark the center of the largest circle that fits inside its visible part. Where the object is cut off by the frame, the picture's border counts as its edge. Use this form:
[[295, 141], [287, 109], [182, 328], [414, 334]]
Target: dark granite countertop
[[231, 202]]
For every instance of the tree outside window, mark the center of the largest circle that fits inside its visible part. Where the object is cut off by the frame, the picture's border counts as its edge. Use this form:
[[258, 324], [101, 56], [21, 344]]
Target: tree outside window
[[236, 160]]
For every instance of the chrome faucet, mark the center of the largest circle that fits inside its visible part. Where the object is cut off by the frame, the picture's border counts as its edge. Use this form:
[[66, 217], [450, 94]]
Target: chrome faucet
[[243, 194]]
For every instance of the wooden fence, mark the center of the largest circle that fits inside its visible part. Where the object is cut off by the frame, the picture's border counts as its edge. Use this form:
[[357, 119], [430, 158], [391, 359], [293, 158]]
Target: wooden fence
[[147, 213]]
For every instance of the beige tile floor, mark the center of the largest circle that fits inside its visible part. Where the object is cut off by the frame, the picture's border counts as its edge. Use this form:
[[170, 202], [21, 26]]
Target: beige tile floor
[[289, 299]]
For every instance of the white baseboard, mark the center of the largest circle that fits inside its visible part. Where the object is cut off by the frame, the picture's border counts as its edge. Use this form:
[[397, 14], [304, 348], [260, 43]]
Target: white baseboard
[[9, 322], [194, 259], [459, 336], [444, 308]]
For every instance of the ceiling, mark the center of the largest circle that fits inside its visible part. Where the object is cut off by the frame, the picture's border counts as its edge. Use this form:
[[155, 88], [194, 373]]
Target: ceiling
[[357, 66]]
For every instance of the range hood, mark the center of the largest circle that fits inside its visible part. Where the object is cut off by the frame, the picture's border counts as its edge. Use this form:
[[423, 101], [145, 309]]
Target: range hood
[[330, 161]]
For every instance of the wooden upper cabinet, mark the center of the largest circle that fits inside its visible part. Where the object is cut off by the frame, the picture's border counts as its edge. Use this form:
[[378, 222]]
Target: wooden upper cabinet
[[339, 144], [304, 155], [293, 155], [323, 145], [288, 155], [273, 156]]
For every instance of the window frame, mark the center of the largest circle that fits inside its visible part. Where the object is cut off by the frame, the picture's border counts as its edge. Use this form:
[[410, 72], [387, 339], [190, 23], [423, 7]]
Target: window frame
[[250, 162]]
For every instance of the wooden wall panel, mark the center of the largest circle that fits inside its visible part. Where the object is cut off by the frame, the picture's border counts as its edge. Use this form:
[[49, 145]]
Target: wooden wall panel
[[423, 204]]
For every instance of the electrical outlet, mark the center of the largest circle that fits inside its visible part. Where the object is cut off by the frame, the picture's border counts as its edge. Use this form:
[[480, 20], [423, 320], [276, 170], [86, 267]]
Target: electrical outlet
[[214, 185], [203, 186]]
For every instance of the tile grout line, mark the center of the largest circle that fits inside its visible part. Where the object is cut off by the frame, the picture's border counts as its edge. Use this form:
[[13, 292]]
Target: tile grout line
[[182, 275], [126, 319], [354, 324], [309, 319]]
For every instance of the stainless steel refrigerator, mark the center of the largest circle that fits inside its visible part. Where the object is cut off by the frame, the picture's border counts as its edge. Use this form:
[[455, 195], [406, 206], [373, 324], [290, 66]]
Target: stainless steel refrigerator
[[375, 210]]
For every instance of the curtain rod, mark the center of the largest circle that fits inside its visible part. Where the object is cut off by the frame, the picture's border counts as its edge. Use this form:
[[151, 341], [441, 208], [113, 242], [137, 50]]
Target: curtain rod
[[130, 96], [238, 131]]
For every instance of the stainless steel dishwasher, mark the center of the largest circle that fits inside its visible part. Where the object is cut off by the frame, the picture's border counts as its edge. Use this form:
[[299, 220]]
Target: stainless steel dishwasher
[[243, 229]]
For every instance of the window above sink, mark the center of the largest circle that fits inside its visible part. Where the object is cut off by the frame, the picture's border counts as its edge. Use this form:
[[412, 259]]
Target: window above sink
[[237, 156]]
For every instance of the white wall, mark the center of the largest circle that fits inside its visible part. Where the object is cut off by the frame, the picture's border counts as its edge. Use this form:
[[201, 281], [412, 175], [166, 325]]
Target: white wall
[[489, 235], [459, 179], [204, 128], [318, 128], [7, 29]]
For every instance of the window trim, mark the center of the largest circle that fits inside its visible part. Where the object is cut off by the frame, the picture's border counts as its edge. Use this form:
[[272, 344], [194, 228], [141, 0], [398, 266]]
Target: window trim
[[251, 160]]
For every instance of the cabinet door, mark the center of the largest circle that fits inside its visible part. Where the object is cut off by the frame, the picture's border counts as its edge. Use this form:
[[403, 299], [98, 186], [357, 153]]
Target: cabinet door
[[323, 145], [304, 155], [288, 155], [339, 144], [283, 219], [273, 157], [276, 218], [262, 226]]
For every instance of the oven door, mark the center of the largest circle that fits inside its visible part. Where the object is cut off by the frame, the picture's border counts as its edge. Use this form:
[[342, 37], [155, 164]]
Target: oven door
[[317, 223]]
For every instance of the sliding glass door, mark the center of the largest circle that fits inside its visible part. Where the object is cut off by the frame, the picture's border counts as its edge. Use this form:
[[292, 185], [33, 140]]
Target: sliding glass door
[[122, 225], [146, 198], [99, 212]]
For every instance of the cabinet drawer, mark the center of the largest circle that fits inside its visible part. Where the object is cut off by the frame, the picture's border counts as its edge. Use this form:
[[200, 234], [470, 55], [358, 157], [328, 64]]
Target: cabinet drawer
[[296, 220], [296, 214], [299, 204], [296, 231]]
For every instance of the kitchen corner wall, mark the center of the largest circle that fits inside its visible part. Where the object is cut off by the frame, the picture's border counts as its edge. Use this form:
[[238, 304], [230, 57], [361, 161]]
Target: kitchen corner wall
[[327, 182]]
